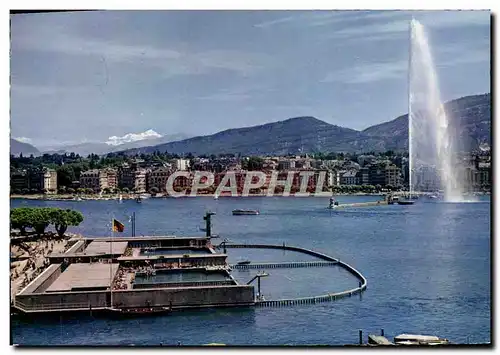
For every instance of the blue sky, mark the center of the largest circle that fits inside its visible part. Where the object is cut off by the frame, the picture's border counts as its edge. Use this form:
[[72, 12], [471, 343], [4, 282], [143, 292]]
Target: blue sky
[[86, 76]]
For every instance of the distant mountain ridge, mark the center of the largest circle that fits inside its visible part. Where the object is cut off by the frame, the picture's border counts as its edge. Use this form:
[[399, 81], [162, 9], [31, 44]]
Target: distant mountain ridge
[[17, 148], [101, 148], [308, 134]]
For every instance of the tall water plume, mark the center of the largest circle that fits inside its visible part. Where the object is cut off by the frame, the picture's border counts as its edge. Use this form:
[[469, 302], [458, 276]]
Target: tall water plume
[[433, 150]]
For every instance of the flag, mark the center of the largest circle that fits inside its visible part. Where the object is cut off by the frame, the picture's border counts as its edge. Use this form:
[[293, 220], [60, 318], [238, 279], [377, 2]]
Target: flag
[[118, 226]]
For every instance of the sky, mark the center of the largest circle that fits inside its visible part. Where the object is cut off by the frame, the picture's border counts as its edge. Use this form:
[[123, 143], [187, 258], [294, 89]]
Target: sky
[[99, 76]]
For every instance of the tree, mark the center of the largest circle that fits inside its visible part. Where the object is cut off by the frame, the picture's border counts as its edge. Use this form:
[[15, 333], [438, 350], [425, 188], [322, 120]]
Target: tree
[[20, 219], [126, 190], [378, 187], [64, 218], [70, 190], [40, 219], [65, 175], [107, 190], [154, 190], [62, 189]]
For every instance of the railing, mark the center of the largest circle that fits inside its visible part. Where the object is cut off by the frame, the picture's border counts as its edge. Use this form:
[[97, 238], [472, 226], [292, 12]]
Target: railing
[[54, 306], [183, 284], [297, 264]]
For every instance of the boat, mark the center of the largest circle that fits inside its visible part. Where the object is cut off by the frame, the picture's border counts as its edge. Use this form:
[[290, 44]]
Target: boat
[[140, 311], [243, 262], [333, 204], [416, 339], [216, 197], [245, 212], [406, 202]]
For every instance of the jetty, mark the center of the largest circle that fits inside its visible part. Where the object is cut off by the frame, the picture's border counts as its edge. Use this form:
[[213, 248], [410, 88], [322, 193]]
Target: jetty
[[362, 204]]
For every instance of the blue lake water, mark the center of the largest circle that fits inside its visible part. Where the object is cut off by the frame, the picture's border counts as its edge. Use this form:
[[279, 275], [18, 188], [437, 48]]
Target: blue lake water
[[427, 266]]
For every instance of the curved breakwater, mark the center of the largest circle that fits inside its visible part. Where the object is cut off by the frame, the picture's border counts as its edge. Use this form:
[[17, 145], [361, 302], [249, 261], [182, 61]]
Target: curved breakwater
[[305, 300]]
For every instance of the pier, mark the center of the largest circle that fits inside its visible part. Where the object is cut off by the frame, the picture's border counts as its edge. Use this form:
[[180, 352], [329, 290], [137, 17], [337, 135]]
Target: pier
[[362, 204]]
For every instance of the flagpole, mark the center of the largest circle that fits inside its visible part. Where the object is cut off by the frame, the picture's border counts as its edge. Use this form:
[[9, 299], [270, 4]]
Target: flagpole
[[111, 261]]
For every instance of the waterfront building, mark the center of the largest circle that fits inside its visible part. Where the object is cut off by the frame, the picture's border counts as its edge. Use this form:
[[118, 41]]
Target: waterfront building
[[90, 179], [19, 181], [286, 164], [126, 177], [182, 164], [392, 175], [141, 180], [376, 174], [43, 180], [349, 178], [98, 180], [49, 181], [364, 176], [158, 179], [108, 179]]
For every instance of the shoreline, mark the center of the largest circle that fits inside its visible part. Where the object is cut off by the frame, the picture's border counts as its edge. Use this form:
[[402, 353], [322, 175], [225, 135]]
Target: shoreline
[[114, 197]]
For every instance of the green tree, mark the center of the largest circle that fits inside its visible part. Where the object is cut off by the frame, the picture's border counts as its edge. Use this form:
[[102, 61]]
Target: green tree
[[70, 190], [40, 219], [20, 219], [64, 218], [65, 175], [154, 190]]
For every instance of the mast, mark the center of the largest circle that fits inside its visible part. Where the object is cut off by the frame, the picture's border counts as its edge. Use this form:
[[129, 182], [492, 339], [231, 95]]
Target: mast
[[410, 119], [111, 263]]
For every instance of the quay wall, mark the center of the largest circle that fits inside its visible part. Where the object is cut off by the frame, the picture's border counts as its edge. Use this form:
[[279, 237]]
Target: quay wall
[[186, 297], [62, 300]]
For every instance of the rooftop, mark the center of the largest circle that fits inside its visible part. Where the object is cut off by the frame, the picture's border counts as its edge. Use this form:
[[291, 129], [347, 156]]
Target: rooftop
[[78, 276], [105, 247]]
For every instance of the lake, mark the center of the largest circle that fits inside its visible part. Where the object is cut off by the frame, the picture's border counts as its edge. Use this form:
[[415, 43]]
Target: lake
[[427, 266]]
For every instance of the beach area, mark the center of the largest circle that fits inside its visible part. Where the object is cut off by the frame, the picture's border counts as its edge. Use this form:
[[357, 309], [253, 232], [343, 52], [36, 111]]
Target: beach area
[[28, 257]]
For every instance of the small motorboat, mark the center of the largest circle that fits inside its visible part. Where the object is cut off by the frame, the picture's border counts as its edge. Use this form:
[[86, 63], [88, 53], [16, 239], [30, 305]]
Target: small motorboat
[[245, 212], [243, 262], [406, 202]]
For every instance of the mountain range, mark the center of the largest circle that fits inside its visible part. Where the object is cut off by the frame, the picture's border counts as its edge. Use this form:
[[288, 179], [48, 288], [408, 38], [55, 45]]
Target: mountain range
[[17, 147], [101, 148], [470, 114]]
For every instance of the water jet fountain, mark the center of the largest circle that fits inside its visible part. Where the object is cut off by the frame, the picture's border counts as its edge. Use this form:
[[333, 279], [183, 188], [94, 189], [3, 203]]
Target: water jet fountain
[[432, 144]]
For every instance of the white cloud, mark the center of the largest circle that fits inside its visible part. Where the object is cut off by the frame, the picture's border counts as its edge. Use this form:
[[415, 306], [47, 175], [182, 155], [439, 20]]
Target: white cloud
[[132, 137], [24, 139], [275, 22], [169, 61], [369, 72]]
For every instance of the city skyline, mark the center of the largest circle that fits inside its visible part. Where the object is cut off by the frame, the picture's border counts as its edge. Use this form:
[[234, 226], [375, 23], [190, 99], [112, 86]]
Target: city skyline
[[126, 72]]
